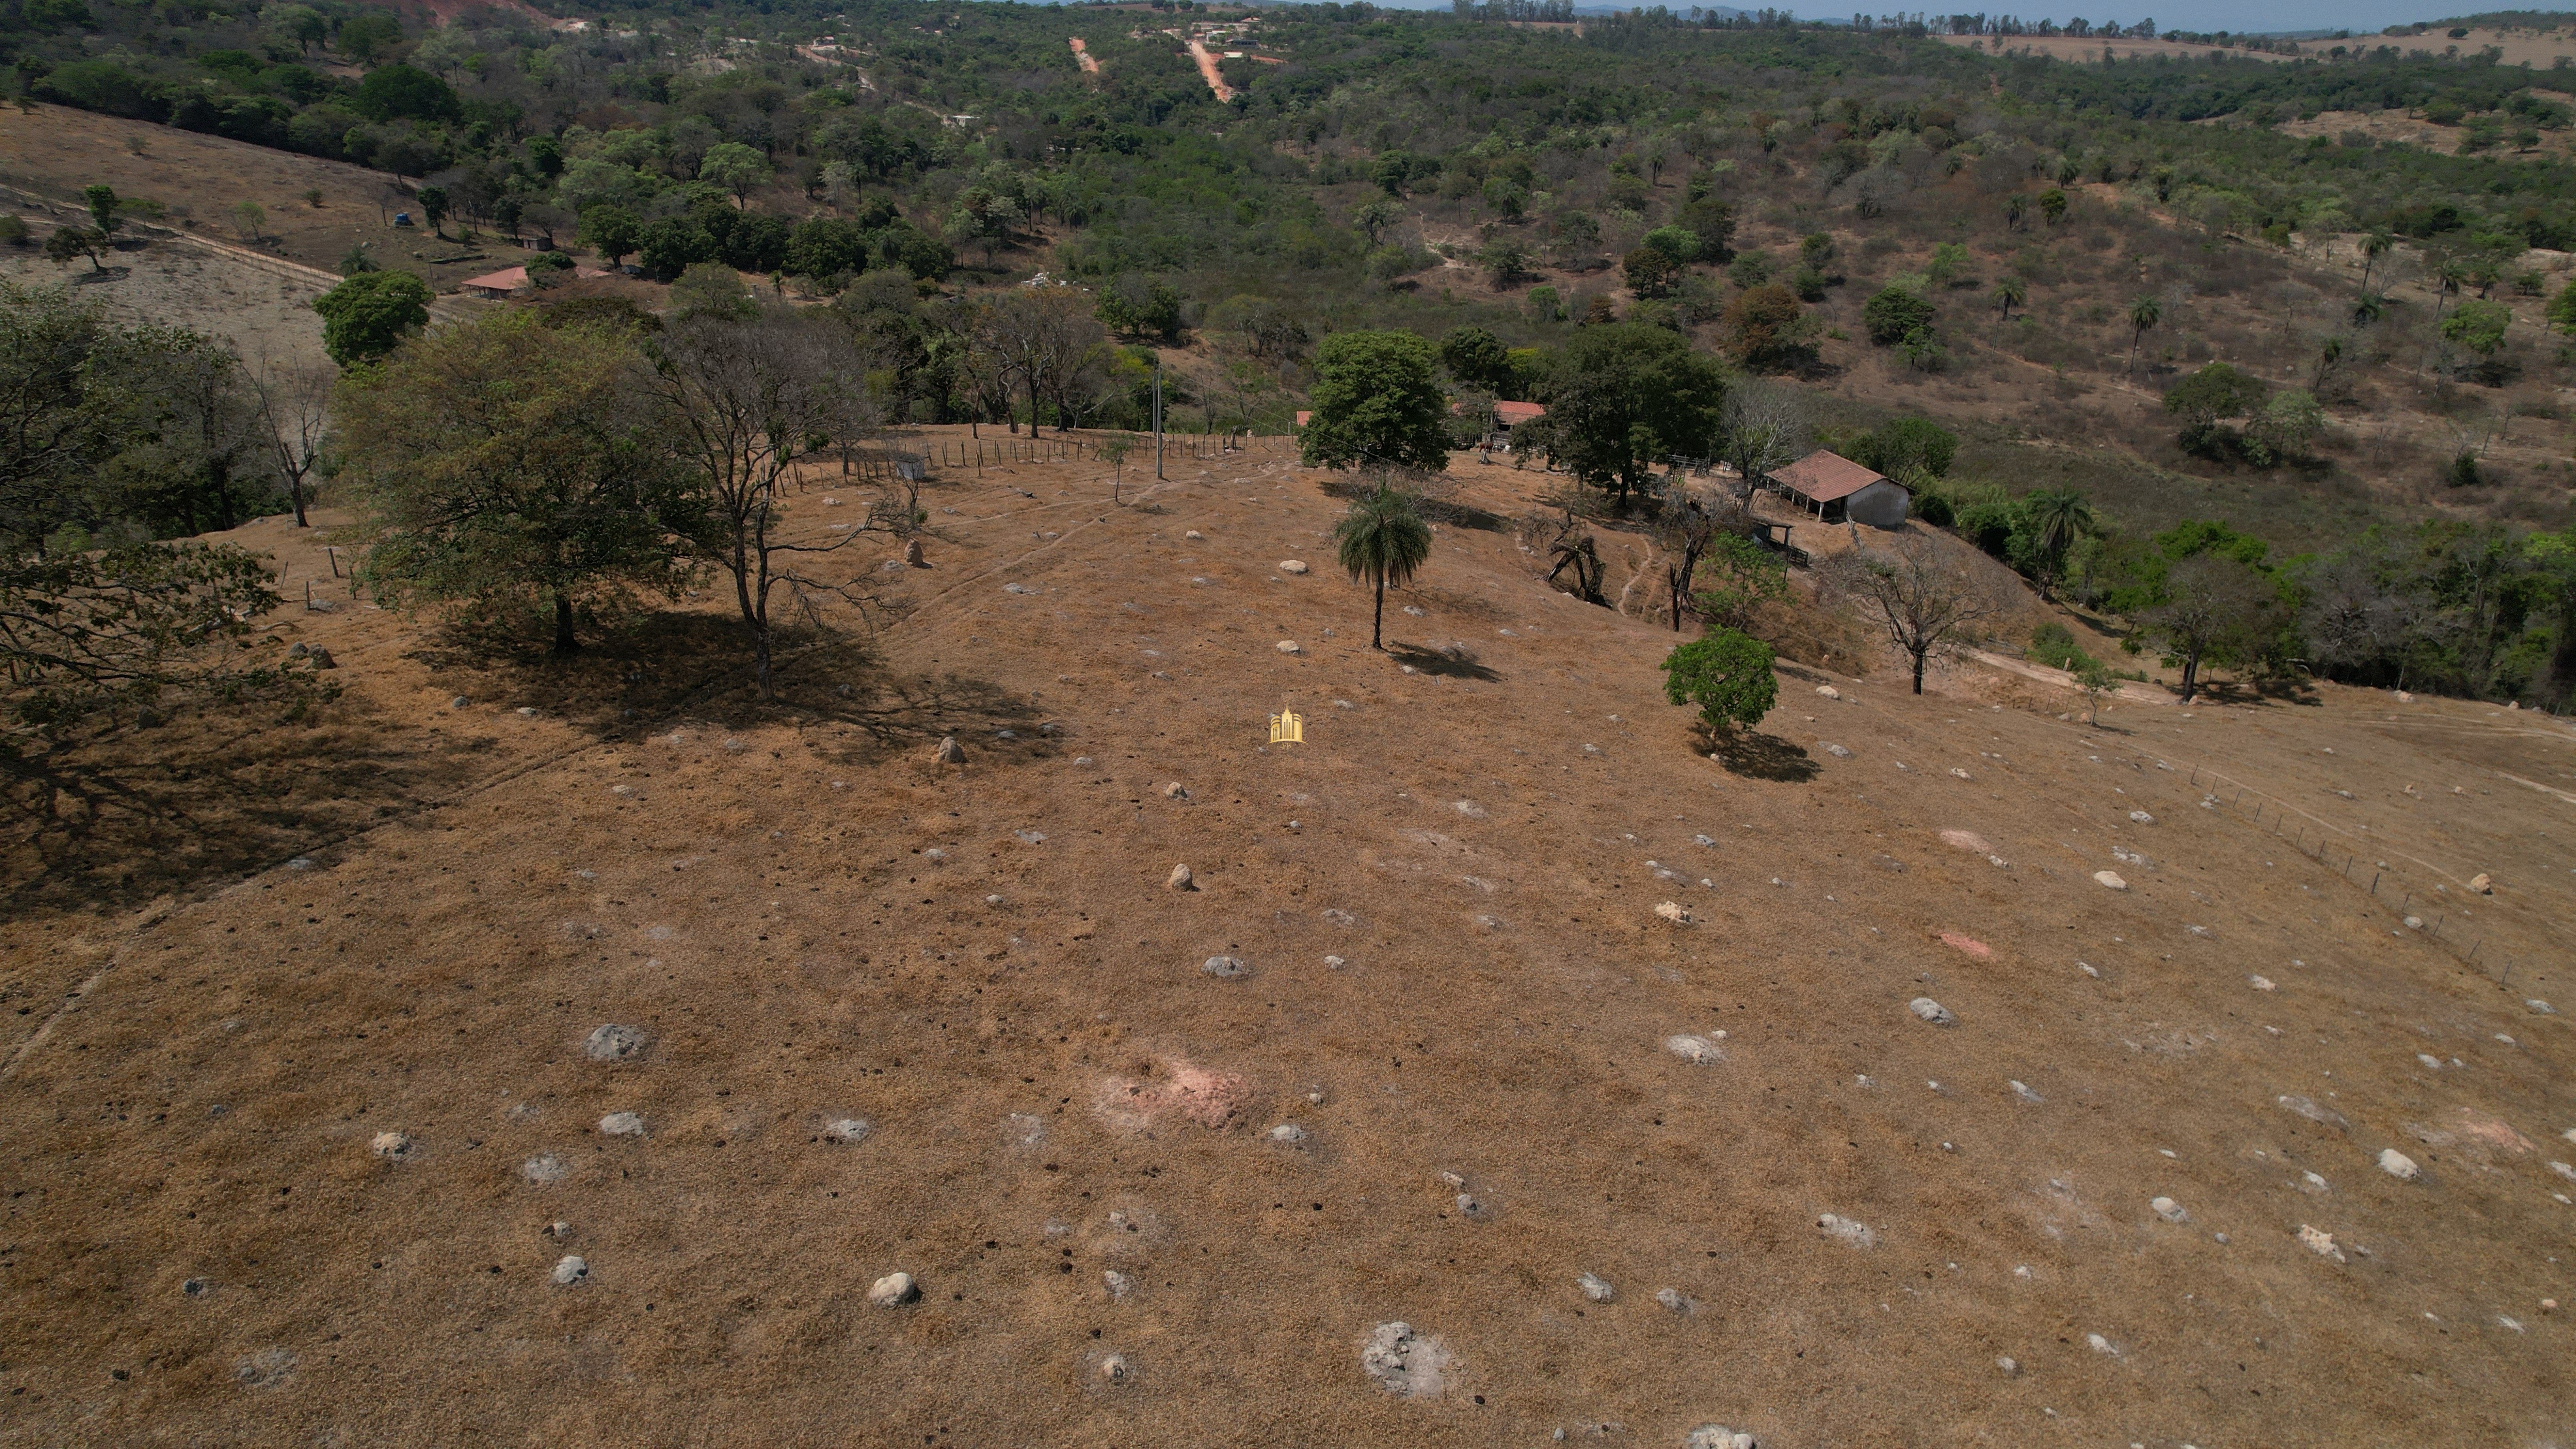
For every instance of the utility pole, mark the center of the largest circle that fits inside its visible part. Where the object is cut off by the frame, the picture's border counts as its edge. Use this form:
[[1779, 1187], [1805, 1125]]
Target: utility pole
[[1158, 416]]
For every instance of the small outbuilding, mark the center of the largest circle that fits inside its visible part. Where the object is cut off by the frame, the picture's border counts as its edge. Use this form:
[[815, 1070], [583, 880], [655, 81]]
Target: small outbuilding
[[1834, 488]]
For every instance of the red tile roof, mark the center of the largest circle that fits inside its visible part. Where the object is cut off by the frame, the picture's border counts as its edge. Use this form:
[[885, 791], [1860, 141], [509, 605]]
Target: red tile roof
[[1824, 476], [510, 279], [1511, 414]]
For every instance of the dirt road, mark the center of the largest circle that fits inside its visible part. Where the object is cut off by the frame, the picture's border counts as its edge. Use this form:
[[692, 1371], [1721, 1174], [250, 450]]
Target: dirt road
[[1082, 56], [1207, 67]]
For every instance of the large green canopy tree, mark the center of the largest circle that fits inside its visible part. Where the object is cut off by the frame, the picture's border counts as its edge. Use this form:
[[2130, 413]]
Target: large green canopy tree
[[1377, 402], [1625, 395], [509, 460]]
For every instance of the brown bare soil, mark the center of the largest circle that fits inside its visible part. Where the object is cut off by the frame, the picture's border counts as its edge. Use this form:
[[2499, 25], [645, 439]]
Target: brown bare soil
[[49, 154], [1445, 901]]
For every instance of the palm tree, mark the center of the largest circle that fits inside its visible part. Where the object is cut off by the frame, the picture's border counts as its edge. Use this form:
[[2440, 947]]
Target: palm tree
[[2011, 292], [2059, 516], [2373, 247], [2369, 309], [1383, 540], [2144, 314]]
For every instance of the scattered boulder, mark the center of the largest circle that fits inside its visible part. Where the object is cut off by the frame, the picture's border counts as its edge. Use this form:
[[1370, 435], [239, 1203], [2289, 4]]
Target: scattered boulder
[[1697, 1050], [1225, 968], [1837, 751], [1117, 1284], [2111, 879], [1931, 1011], [2169, 1210], [949, 752], [1180, 879], [460, 702], [621, 1124], [2481, 884], [1847, 1231], [2314, 1112], [1114, 1369], [613, 1043], [912, 554], [1292, 566], [545, 1168], [1195, 536], [2320, 1243], [1291, 646], [391, 1146], [1717, 1436], [1403, 1362], [2398, 1165], [570, 1270], [1828, 691], [894, 1290], [1596, 1287], [1288, 1132], [1175, 791], [1672, 911], [1672, 1298], [2141, 817]]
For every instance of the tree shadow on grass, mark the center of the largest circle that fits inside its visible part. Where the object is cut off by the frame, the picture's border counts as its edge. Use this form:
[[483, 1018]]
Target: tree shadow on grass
[[1450, 663], [1756, 756], [2231, 691]]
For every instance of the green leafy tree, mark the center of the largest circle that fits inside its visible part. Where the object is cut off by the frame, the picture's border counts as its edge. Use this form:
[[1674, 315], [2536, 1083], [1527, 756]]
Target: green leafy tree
[[1377, 400], [1478, 359], [2478, 326], [2562, 309], [69, 244], [404, 93], [1736, 576], [1382, 541], [1910, 450], [2215, 609], [93, 633], [513, 463], [1134, 307], [2052, 206], [2052, 520], [2216, 392], [1894, 312], [1651, 272], [1677, 242], [1373, 218], [433, 208], [611, 231], [1728, 674], [102, 204], [367, 315], [2011, 292], [1622, 396], [2095, 678], [737, 168]]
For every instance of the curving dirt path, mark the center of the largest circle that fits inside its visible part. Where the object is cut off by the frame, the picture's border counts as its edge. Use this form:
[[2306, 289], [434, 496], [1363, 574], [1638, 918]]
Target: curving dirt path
[[1082, 56]]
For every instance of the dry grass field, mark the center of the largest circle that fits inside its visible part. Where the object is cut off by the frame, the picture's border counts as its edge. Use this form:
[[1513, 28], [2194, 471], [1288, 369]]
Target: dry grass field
[[1460, 1063]]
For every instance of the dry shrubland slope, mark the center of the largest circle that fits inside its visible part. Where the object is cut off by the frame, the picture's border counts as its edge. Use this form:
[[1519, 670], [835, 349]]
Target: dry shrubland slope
[[302, 1130]]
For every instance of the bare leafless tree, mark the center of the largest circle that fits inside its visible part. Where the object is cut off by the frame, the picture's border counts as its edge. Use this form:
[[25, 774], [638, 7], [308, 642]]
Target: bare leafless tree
[[1924, 604], [295, 408], [1041, 338], [1687, 521], [746, 400], [1766, 426]]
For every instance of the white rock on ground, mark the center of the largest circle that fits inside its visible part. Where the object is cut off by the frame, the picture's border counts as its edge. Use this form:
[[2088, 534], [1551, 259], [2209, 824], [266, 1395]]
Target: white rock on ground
[[2398, 1165], [2142, 817], [2260, 983], [613, 1043], [570, 1270], [1175, 791], [1847, 1231], [2169, 1210], [1225, 968], [1287, 1132], [2111, 879], [1596, 1287], [2320, 1243], [1291, 646], [1117, 1284], [1672, 911], [1292, 566], [1693, 1048], [1717, 1436], [1828, 691], [847, 1129], [2481, 884], [950, 752], [893, 1290], [2099, 1344], [1931, 1011], [1179, 879], [1403, 1362], [545, 1168], [391, 1146], [1114, 1369], [622, 1124], [1671, 1298]]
